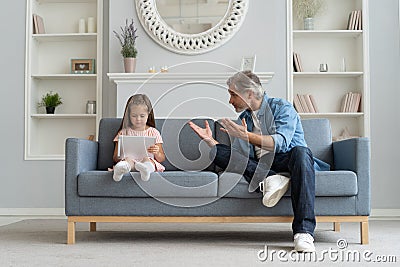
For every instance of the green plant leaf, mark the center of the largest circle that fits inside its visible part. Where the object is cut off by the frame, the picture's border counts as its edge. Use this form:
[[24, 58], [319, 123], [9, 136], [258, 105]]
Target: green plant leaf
[[50, 99]]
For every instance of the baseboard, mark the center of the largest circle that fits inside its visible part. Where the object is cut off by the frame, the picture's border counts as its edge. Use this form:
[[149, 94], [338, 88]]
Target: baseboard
[[22, 212], [385, 214]]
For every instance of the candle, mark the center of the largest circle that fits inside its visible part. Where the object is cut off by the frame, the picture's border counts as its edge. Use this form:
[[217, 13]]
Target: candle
[[82, 26], [91, 25]]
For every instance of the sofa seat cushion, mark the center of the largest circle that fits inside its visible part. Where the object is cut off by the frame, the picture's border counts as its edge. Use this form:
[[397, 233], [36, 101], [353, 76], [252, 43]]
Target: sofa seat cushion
[[175, 184], [327, 184]]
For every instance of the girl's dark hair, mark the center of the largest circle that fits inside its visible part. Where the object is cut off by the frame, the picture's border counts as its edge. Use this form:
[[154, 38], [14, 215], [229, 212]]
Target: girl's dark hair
[[139, 99]]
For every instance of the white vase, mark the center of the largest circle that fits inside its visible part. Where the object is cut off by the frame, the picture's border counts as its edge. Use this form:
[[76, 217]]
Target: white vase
[[308, 24], [130, 64]]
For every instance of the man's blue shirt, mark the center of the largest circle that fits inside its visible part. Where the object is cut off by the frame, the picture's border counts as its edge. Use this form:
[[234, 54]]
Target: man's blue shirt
[[278, 118], [288, 129]]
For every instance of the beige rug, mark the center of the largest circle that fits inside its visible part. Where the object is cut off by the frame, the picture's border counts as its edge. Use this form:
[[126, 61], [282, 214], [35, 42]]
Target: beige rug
[[43, 243]]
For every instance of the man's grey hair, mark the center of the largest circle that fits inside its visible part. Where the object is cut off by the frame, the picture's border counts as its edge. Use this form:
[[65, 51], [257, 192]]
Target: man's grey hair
[[246, 80]]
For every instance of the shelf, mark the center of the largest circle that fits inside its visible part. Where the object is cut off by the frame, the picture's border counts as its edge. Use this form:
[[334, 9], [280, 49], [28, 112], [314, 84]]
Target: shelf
[[348, 74], [332, 43], [63, 116], [48, 67], [333, 114], [64, 76], [325, 34], [64, 37], [46, 157]]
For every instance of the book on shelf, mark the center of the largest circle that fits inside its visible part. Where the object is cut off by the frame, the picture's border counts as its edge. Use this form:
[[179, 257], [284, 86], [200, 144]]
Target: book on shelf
[[355, 20], [309, 103], [349, 20], [299, 60], [34, 24], [357, 101], [352, 20], [38, 25], [297, 67], [294, 64], [314, 103], [300, 64], [297, 104], [351, 102], [344, 102], [305, 104]]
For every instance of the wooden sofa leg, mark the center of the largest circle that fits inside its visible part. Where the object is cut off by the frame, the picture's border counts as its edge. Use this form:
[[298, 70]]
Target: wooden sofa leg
[[92, 226], [336, 226], [364, 233], [71, 233]]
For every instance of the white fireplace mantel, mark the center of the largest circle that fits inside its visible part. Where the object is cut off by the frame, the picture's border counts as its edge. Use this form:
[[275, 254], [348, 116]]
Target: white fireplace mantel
[[186, 94], [170, 77]]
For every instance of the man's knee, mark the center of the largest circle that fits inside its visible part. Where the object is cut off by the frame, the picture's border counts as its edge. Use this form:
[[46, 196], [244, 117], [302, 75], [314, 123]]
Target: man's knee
[[301, 156], [301, 152]]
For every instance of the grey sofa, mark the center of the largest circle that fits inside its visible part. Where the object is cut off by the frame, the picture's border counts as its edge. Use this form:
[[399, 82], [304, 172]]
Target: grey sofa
[[193, 190]]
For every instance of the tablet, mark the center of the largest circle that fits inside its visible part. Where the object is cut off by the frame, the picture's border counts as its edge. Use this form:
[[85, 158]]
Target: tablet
[[135, 146]]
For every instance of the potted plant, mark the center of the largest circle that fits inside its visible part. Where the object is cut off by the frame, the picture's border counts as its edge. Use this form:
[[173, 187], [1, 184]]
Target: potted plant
[[306, 11], [50, 100], [127, 39]]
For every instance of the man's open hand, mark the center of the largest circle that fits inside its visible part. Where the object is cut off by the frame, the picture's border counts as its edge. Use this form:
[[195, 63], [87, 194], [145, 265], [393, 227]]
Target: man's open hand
[[235, 130], [205, 134]]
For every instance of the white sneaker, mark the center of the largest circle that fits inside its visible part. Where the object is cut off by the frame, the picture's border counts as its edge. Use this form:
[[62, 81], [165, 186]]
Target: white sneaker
[[304, 242], [120, 169], [273, 188]]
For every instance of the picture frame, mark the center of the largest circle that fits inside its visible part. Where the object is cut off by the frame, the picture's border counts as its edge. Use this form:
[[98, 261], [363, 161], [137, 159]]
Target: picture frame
[[248, 63], [82, 66]]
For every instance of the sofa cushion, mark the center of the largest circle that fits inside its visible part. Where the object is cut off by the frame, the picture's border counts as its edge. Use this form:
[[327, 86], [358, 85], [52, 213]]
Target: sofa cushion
[[101, 184], [327, 184], [184, 150], [108, 128], [318, 135]]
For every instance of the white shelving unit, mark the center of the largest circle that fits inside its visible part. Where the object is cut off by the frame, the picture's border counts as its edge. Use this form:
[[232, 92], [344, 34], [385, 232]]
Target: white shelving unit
[[329, 43], [48, 65]]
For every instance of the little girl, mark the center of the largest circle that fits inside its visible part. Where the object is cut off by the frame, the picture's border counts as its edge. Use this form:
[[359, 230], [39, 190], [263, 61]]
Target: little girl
[[138, 120]]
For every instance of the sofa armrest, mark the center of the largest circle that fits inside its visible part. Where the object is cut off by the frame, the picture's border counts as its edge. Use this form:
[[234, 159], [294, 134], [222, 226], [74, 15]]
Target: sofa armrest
[[80, 156], [354, 155]]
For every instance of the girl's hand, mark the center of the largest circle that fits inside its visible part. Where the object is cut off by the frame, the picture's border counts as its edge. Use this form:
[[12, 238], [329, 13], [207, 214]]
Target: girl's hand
[[154, 149]]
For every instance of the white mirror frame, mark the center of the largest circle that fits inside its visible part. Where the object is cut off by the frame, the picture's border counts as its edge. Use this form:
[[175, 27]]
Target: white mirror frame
[[191, 44]]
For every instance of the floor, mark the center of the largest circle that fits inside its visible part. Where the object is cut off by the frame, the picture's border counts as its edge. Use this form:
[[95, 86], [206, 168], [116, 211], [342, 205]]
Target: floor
[[35, 241]]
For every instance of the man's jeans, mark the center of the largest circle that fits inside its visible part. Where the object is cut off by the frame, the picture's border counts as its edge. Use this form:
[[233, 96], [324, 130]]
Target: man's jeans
[[298, 162]]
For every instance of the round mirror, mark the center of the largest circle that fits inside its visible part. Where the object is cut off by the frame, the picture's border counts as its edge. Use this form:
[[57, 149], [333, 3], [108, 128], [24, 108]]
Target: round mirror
[[191, 16], [191, 26]]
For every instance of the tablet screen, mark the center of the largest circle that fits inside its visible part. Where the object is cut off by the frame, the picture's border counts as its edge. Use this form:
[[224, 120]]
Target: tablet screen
[[135, 146]]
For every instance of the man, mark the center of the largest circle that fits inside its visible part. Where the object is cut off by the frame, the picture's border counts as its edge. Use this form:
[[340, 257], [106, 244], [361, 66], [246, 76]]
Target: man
[[270, 139]]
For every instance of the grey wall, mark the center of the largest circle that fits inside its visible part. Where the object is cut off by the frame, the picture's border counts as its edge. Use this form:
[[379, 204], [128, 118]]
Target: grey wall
[[385, 112], [264, 36], [24, 184], [40, 184]]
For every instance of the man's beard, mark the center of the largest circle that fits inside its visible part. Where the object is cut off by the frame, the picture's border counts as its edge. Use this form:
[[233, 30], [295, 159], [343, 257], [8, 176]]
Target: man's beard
[[239, 109]]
